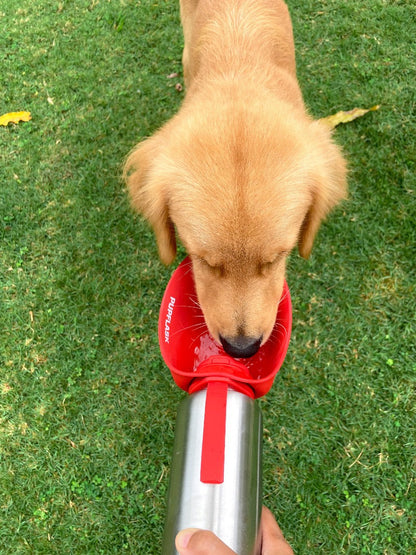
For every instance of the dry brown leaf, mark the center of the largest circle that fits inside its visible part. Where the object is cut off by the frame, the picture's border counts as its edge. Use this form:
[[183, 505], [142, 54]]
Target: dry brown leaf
[[14, 117], [345, 117]]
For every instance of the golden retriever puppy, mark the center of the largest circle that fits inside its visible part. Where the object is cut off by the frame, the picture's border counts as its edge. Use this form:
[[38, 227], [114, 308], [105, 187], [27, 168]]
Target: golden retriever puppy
[[241, 171]]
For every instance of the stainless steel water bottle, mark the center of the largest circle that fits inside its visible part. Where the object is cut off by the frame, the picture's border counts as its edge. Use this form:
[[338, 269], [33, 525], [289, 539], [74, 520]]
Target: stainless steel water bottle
[[215, 481]]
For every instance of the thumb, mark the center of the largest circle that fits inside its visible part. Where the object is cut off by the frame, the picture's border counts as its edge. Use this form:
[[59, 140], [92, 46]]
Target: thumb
[[273, 539], [200, 542]]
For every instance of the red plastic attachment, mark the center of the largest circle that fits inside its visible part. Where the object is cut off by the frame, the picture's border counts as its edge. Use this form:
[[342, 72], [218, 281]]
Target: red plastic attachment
[[213, 440], [192, 354]]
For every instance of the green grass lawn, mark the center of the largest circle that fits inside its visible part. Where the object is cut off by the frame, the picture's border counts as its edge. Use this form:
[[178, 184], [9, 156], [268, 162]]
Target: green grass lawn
[[87, 407]]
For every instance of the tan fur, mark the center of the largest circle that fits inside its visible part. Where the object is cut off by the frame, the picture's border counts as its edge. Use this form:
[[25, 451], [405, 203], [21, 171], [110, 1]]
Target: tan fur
[[242, 171]]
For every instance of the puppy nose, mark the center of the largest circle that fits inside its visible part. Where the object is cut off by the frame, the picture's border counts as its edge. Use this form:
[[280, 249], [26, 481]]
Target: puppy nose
[[241, 346]]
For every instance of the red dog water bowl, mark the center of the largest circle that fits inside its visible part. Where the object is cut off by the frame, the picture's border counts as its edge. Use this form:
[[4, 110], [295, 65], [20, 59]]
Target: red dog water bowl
[[193, 355]]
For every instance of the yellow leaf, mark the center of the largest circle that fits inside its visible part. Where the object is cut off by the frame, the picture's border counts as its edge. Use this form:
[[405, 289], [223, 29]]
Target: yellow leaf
[[346, 117], [14, 117]]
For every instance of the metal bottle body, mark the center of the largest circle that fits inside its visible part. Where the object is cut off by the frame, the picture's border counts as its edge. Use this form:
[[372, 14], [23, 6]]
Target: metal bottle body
[[230, 509]]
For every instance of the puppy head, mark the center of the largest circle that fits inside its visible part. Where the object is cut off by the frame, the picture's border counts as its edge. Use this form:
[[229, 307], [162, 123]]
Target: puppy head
[[241, 195]]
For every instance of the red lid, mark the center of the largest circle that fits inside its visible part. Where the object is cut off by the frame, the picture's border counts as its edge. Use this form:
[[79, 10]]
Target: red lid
[[190, 352]]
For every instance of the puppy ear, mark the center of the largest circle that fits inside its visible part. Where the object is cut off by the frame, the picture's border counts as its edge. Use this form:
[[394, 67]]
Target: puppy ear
[[311, 224], [328, 185], [148, 194]]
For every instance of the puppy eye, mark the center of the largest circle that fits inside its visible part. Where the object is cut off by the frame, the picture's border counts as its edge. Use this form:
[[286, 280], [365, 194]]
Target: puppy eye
[[217, 270], [264, 267]]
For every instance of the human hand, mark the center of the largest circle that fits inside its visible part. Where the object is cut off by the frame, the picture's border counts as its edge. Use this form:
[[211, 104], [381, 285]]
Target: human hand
[[202, 542]]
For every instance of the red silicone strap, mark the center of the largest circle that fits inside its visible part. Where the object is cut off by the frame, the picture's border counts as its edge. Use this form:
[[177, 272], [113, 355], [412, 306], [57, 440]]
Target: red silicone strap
[[213, 441]]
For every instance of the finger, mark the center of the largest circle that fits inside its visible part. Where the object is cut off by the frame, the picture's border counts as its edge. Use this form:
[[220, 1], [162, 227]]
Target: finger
[[273, 541], [200, 542]]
